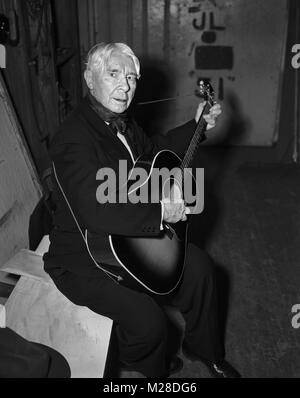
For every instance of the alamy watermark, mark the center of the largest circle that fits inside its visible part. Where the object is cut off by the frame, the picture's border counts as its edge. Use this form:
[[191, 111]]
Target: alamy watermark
[[296, 58], [296, 318], [2, 56], [139, 186]]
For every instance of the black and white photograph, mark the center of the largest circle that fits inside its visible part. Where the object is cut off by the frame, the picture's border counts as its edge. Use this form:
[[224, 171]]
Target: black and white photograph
[[150, 192]]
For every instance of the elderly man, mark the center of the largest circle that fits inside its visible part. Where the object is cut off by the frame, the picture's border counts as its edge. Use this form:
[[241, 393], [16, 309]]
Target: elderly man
[[98, 135]]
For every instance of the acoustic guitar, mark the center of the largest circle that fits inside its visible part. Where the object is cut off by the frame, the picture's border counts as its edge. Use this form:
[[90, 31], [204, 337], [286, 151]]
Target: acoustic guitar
[[157, 263]]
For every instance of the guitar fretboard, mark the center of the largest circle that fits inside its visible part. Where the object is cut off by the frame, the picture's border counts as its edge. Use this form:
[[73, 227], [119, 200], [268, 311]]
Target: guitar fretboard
[[198, 137]]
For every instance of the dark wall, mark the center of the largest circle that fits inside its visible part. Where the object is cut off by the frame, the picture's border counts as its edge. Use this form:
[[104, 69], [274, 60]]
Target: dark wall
[[43, 69]]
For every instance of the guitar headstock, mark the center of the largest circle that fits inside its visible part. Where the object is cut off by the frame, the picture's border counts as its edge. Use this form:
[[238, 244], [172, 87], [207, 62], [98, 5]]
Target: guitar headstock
[[206, 91]]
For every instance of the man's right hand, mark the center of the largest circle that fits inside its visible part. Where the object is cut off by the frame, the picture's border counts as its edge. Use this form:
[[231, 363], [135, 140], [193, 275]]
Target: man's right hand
[[174, 211]]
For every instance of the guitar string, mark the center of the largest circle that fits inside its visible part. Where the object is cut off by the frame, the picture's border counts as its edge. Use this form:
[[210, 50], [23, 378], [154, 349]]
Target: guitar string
[[165, 99]]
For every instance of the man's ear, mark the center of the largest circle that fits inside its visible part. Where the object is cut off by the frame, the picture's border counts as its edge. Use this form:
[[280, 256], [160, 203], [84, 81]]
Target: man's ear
[[88, 76]]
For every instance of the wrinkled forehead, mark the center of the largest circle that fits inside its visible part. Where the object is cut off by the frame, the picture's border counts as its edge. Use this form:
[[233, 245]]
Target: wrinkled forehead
[[120, 62]]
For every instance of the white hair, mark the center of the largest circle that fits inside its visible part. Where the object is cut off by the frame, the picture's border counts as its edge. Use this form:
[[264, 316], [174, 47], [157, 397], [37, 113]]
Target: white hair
[[99, 55]]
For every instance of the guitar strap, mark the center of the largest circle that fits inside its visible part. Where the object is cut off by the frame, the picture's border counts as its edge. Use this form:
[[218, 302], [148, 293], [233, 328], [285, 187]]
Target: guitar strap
[[113, 276]]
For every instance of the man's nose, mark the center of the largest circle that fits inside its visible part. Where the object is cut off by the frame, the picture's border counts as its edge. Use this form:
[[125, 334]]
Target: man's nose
[[124, 83]]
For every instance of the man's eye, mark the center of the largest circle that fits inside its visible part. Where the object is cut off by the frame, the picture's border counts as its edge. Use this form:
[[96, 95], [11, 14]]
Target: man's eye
[[131, 78], [113, 74]]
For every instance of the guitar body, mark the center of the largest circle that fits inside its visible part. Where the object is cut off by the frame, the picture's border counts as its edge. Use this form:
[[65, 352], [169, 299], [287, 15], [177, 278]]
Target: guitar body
[[156, 263]]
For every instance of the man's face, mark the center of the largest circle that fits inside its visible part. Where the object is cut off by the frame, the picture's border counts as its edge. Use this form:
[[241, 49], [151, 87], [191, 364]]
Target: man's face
[[115, 87]]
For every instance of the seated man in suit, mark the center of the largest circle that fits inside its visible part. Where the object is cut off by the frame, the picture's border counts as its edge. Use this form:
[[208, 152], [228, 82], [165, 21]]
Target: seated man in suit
[[98, 135]]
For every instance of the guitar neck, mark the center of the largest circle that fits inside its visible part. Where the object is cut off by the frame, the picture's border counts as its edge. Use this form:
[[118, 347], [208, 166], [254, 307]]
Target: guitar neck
[[198, 137]]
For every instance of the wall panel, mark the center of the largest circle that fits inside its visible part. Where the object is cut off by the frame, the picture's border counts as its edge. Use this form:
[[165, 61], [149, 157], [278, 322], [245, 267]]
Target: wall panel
[[19, 189]]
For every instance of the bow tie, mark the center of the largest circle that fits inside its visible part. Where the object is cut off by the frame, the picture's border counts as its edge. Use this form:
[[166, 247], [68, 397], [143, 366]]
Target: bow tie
[[118, 124]]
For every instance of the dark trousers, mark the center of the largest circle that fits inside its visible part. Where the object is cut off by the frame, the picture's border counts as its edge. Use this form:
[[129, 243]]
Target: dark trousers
[[141, 323]]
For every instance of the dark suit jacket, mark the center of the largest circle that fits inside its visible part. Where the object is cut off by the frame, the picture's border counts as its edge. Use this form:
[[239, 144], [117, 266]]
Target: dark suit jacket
[[82, 146]]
